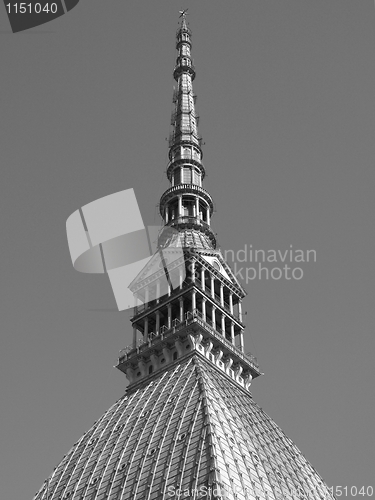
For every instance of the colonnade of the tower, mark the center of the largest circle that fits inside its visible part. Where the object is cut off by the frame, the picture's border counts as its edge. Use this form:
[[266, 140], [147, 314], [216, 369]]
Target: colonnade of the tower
[[186, 201], [201, 293]]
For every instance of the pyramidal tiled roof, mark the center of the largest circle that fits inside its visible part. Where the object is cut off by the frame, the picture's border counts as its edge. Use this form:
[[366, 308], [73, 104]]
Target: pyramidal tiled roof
[[190, 430]]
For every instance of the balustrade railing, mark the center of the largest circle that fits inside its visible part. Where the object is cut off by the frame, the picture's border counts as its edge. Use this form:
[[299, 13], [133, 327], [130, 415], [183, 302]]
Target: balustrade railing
[[188, 219], [190, 317]]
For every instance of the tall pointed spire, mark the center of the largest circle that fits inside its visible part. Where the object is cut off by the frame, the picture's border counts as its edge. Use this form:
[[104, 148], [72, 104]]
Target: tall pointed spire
[[186, 206]]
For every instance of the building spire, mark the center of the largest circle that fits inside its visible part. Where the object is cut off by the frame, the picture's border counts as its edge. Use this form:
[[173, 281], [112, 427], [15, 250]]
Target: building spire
[[186, 206]]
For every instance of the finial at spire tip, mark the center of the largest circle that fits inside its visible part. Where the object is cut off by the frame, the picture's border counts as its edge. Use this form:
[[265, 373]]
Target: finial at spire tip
[[183, 13]]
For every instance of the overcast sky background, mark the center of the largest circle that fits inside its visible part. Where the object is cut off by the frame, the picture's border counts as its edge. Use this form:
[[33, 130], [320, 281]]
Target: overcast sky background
[[286, 98]]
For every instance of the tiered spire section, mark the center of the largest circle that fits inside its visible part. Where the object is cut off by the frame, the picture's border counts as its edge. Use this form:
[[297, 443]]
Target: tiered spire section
[[186, 206], [184, 119], [187, 299]]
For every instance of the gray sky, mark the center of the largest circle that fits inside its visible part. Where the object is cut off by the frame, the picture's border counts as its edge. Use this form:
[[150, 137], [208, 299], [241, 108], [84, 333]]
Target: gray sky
[[286, 97]]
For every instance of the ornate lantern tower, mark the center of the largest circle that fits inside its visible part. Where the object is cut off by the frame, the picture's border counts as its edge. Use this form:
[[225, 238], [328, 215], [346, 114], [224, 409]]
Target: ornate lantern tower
[[187, 426]]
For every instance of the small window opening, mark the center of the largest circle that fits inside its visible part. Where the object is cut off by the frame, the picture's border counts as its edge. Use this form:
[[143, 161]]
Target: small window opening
[[174, 355], [150, 369]]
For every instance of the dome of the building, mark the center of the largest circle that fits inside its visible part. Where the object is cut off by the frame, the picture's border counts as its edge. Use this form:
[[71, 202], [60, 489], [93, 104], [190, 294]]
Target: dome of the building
[[188, 430]]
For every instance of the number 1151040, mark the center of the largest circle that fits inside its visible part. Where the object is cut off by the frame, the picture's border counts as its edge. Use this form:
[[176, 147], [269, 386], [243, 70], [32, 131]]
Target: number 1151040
[[31, 8]]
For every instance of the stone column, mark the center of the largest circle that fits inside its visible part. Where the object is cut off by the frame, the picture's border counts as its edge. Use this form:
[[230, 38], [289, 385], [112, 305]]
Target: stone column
[[194, 300], [181, 309], [157, 327], [145, 331], [232, 333], [212, 286], [208, 215], [213, 317], [240, 311], [204, 308], [134, 336], [231, 302], [166, 214], [147, 294], [203, 277], [179, 205], [197, 208], [241, 341], [221, 294], [223, 324], [169, 315]]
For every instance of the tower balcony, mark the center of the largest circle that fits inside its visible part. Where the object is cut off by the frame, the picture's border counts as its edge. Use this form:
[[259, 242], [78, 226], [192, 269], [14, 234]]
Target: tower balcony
[[177, 138], [189, 222], [180, 189], [194, 324], [184, 67]]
